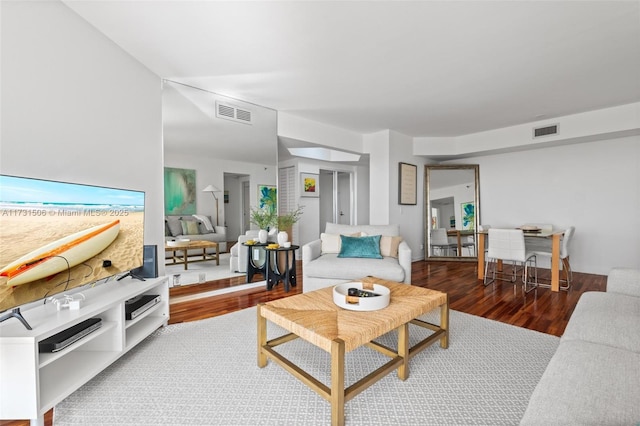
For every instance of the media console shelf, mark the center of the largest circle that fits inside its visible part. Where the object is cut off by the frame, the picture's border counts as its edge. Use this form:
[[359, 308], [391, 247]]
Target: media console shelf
[[33, 383]]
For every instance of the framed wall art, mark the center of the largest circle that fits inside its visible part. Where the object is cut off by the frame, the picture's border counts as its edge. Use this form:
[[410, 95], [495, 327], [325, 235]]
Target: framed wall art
[[468, 215], [179, 191], [407, 184], [309, 182], [268, 198]]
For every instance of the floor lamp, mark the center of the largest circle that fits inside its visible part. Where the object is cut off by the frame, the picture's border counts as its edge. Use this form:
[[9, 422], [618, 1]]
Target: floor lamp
[[212, 189]]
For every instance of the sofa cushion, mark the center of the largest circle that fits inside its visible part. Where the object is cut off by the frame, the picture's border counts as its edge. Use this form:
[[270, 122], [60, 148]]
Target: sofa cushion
[[190, 227], [606, 318], [332, 267], [175, 227], [367, 247], [389, 245], [587, 384]]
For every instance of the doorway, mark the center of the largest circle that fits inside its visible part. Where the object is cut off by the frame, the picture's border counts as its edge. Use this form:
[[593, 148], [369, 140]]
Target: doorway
[[336, 197]]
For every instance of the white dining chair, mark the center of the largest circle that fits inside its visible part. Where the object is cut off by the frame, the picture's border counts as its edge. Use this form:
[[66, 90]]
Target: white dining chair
[[440, 241], [565, 248], [508, 245]]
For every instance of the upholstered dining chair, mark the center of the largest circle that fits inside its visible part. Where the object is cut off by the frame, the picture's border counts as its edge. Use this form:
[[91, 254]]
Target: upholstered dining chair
[[508, 245], [565, 247], [440, 241]]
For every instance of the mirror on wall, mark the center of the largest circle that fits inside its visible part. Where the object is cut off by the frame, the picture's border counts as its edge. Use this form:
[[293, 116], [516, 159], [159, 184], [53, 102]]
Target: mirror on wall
[[226, 144], [452, 211]]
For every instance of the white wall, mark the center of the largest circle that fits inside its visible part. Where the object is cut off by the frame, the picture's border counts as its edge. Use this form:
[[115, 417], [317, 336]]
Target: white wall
[[77, 108], [593, 186]]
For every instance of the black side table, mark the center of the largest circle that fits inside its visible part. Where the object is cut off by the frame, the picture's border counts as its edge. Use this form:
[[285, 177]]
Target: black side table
[[277, 271], [256, 264]]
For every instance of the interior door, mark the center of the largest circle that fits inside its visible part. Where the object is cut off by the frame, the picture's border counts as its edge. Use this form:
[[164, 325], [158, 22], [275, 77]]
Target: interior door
[[343, 209]]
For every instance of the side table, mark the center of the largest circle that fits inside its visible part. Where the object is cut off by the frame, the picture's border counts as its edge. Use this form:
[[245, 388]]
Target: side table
[[281, 266], [256, 260]]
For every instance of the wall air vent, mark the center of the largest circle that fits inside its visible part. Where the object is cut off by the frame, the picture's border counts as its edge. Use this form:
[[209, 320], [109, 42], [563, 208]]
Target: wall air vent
[[539, 132], [230, 112]]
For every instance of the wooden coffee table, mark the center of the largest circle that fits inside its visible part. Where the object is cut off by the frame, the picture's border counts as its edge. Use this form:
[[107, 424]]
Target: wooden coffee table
[[315, 318], [193, 245]]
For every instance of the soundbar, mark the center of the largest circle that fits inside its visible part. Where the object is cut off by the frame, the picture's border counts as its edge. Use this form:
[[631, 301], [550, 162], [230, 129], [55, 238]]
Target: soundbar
[[136, 306], [66, 337]]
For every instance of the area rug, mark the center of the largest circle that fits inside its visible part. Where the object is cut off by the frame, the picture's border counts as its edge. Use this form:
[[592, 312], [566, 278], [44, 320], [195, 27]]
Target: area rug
[[205, 373]]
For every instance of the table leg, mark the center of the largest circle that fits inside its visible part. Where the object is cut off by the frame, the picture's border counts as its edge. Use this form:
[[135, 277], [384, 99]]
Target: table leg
[[555, 262], [337, 382], [262, 337], [184, 258], [459, 244], [444, 324], [481, 238], [403, 351]]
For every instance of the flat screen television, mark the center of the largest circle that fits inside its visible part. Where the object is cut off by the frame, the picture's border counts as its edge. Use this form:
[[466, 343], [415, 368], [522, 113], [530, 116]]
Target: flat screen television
[[57, 236]]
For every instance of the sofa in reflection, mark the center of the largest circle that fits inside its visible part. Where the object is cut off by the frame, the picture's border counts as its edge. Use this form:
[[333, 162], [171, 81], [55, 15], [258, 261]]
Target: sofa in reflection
[[194, 228]]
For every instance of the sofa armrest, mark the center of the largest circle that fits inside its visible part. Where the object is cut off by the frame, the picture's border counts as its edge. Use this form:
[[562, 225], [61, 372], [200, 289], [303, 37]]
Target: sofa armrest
[[625, 281], [311, 250], [404, 258], [222, 230]]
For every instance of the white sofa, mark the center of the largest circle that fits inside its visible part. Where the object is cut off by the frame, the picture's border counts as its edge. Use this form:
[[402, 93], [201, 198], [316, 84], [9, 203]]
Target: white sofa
[[173, 230], [594, 376], [322, 269]]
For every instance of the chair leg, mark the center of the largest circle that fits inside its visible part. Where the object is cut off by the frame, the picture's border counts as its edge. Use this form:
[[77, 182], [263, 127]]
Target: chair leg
[[525, 277]]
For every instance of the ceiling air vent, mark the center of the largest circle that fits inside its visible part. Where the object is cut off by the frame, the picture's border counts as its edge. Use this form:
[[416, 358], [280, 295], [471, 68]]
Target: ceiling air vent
[[546, 131], [230, 112]]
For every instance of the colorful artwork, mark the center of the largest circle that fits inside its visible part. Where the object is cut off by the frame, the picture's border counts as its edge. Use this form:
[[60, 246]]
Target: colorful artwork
[[179, 191], [309, 185], [468, 214], [268, 198]]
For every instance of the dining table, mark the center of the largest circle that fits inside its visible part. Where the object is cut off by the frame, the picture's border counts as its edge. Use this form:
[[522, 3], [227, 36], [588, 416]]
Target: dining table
[[554, 235], [458, 234]]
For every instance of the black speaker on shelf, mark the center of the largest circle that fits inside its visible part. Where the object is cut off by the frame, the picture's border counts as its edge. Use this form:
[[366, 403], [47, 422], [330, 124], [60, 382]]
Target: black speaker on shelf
[[149, 268]]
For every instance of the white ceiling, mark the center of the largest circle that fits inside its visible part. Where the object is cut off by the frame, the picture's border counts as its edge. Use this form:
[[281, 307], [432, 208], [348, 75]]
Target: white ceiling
[[430, 68]]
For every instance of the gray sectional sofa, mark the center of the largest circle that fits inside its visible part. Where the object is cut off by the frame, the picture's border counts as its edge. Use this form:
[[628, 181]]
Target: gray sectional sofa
[[173, 229], [321, 266], [594, 376]]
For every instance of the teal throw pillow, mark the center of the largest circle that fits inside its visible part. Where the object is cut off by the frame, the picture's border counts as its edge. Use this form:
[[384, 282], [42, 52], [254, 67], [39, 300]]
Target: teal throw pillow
[[368, 247]]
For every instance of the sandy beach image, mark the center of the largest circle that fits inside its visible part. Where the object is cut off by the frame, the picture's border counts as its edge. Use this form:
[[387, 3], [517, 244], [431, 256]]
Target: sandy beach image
[[21, 234]]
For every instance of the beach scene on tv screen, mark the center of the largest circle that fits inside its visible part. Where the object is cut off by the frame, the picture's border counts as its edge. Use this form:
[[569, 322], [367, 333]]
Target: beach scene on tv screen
[[56, 236]]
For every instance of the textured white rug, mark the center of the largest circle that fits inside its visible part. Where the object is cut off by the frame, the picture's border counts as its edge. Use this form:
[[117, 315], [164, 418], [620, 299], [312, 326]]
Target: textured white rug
[[205, 373]]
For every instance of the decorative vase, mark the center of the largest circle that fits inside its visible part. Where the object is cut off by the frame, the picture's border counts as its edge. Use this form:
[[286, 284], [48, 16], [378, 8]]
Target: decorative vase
[[263, 236], [283, 237]]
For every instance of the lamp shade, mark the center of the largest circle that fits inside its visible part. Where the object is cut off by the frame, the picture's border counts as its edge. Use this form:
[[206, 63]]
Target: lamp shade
[[211, 188]]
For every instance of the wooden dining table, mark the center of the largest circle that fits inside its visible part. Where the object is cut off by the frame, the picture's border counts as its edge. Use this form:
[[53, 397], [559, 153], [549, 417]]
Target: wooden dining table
[[554, 235], [458, 234]]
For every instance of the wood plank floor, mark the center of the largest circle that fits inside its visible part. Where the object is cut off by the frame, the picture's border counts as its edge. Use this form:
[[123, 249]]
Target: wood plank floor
[[547, 312]]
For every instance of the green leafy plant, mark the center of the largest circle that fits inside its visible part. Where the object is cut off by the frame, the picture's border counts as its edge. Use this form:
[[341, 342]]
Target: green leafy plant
[[263, 218], [287, 220]]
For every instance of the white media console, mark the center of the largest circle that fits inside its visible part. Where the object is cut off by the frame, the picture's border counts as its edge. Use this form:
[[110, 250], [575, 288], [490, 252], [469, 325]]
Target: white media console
[[32, 383]]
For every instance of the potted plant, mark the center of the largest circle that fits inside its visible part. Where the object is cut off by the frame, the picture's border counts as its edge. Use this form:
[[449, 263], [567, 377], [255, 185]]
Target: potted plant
[[285, 223], [263, 218]]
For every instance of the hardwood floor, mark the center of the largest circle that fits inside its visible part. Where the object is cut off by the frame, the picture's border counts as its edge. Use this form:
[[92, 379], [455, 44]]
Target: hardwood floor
[[547, 312]]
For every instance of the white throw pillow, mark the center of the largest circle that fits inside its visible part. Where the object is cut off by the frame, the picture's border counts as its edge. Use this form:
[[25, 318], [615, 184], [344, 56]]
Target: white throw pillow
[[331, 243]]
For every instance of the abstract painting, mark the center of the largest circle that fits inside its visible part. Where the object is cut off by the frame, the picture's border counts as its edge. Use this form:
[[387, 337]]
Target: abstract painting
[[468, 214], [268, 198], [310, 187], [179, 191]]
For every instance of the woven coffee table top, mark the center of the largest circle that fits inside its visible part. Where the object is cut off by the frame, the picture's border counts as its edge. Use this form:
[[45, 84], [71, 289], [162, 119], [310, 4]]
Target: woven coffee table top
[[314, 317]]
